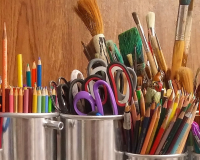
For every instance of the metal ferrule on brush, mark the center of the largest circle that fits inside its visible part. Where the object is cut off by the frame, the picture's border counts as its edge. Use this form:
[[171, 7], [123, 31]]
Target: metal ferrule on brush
[[144, 40], [181, 22], [152, 31]]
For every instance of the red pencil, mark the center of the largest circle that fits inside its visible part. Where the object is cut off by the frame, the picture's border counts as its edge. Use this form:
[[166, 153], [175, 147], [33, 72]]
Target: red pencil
[[33, 75]]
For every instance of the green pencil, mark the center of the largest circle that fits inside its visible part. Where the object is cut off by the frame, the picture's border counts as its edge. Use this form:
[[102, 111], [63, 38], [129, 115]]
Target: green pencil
[[43, 101], [50, 105], [28, 76]]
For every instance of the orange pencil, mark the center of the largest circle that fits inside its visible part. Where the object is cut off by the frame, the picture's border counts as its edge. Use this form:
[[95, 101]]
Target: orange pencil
[[133, 112], [158, 137], [4, 68], [142, 104], [33, 75], [149, 132], [20, 101]]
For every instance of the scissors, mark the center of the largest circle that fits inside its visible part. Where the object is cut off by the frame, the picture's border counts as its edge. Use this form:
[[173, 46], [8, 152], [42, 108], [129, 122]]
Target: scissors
[[113, 72], [96, 104]]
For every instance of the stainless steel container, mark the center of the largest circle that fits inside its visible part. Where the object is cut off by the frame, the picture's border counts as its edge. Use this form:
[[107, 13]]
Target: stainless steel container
[[195, 156], [156, 157], [30, 136], [1, 154], [91, 138]]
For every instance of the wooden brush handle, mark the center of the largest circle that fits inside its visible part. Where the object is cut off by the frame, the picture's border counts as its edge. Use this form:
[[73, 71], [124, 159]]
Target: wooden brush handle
[[152, 63], [177, 57], [159, 54]]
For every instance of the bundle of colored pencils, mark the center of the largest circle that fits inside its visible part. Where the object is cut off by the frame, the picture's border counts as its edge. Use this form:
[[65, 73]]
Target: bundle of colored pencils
[[160, 129]]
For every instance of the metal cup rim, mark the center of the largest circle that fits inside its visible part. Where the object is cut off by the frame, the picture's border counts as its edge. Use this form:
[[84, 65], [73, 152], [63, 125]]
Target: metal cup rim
[[157, 156], [106, 117], [29, 115]]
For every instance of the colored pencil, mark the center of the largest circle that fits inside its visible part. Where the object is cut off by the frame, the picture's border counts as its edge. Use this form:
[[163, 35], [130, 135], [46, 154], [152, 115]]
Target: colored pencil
[[158, 137], [50, 105], [33, 75], [149, 132], [4, 67], [7, 93], [154, 131], [133, 112], [19, 70], [127, 127], [26, 99], [170, 99], [20, 101], [30, 100], [153, 106], [34, 105], [176, 101], [54, 98], [166, 134], [16, 101], [11, 102], [144, 129], [172, 134], [39, 101], [136, 134], [43, 105], [28, 76], [39, 73], [180, 105], [46, 100], [142, 104], [136, 103]]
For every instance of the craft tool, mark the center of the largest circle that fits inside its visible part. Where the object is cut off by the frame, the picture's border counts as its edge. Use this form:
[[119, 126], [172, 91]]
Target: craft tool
[[50, 105], [7, 93], [166, 134], [172, 134], [130, 44], [127, 127], [180, 104], [180, 37], [28, 76], [153, 106], [30, 100], [20, 101], [34, 105], [46, 100], [145, 44], [39, 101], [94, 24], [43, 98], [176, 101], [142, 104], [54, 98], [26, 100], [162, 115], [33, 75], [16, 101], [149, 132], [4, 67], [11, 101], [154, 131], [144, 129], [87, 54], [39, 73], [158, 137], [188, 30], [133, 112], [136, 134], [19, 70], [170, 100]]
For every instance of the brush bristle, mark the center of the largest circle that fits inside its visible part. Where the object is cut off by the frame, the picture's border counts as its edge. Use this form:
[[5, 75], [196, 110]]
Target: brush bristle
[[186, 79], [150, 18], [135, 17], [89, 13], [185, 2]]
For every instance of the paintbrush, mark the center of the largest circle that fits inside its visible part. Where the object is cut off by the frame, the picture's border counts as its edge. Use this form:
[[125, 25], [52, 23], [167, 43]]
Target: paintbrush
[[180, 37], [186, 79], [89, 13], [188, 33], [145, 44]]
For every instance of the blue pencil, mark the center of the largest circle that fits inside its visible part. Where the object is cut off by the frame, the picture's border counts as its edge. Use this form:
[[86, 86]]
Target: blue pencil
[[47, 101], [39, 73]]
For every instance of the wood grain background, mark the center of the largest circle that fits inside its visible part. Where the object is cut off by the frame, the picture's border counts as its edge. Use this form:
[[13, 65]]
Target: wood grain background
[[50, 29]]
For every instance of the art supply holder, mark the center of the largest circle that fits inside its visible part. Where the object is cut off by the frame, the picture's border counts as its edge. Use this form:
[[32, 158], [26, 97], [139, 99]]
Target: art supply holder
[[156, 157], [195, 156], [1, 154], [30, 136], [91, 138]]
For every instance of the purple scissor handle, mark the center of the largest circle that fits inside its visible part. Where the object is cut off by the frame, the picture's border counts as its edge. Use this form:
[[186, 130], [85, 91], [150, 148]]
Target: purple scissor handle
[[98, 99], [83, 95]]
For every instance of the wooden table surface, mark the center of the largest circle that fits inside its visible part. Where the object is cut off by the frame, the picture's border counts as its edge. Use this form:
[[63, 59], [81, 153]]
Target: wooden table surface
[[51, 30]]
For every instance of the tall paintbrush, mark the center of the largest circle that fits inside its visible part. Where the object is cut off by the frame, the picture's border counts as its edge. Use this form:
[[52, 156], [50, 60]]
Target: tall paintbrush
[[188, 33], [145, 44], [89, 13], [180, 37], [150, 18]]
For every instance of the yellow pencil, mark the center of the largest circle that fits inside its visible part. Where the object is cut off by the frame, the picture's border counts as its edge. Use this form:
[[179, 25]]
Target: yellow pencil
[[174, 108], [19, 70], [34, 109]]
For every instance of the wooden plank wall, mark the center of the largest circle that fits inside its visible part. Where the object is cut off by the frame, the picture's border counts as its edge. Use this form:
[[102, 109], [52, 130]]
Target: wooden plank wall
[[50, 29]]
